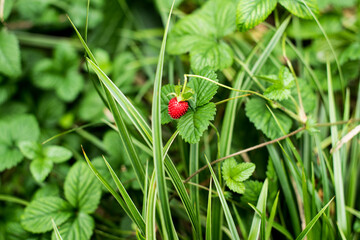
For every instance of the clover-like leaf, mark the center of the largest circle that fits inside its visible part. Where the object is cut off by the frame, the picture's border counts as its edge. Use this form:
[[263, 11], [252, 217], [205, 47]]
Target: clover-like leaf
[[40, 168], [192, 125], [235, 174], [251, 13], [258, 113]]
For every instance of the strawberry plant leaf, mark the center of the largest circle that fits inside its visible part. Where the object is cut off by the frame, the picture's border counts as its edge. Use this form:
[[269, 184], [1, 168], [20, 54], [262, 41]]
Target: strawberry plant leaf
[[82, 189], [20, 128], [252, 191], [40, 168], [263, 120], [30, 149], [192, 125], [298, 8], [38, 214], [251, 13], [282, 85], [218, 55], [235, 174], [204, 90], [80, 227], [57, 154], [9, 54], [165, 98], [204, 29]]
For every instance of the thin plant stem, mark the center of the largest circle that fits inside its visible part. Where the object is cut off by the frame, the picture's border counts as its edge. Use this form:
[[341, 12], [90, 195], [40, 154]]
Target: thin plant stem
[[12, 199], [233, 98]]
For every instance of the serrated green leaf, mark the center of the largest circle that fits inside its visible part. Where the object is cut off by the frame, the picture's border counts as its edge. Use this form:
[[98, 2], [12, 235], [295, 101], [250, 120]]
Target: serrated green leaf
[[57, 154], [30, 149], [204, 90], [9, 54], [235, 173], [38, 214], [81, 188], [298, 8], [193, 124], [252, 191], [281, 88], [48, 190], [80, 227], [165, 99], [70, 86], [251, 13], [40, 168], [204, 29], [263, 120]]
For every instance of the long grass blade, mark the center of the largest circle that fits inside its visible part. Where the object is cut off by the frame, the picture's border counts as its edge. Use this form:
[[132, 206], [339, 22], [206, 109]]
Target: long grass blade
[[261, 204], [311, 224], [133, 209], [229, 218], [272, 217], [338, 184], [208, 235], [150, 211]]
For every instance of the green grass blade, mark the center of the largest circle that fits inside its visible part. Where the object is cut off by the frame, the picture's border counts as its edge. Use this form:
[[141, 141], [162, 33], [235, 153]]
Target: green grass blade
[[226, 209], [353, 212], [261, 204], [271, 218], [56, 230], [194, 190], [240, 222], [128, 145], [311, 224], [338, 184], [157, 138], [134, 211], [169, 142], [208, 235], [150, 211], [324, 176], [306, 202]]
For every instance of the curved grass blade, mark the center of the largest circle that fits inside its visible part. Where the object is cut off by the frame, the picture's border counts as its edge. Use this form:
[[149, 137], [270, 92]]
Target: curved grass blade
[[208, 216], [157, 138], [257, 220], [313, 221], [56, 230], [150, 211], [229, 218], [271, 218], [134, 211]]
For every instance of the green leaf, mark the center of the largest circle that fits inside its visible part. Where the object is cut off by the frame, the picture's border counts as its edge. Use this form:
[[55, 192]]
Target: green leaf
[[193, 124], [80, 227], [298, 8], [281, 87], [252, 191], [82, 189], [204, 29], [165, 99], [70, 86], [9, 54], [234, 174], [263, 120], [251, 13], [38, 214], [40, 168], [57, 154], [217, 55], [30, 149], [204, 90], [20, 128]]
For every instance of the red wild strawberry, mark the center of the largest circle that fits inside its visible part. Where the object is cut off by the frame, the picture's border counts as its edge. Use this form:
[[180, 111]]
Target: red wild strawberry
[[177, 109]]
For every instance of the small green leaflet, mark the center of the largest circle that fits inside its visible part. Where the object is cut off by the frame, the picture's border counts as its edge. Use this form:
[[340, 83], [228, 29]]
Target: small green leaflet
[[204, 90], [258, 113], [38, 214], [251, 13], [43, 158], [298, 8], [10, 63], [19, 128], [201, 33], [281, 85], [235, 174], [193, 124]]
